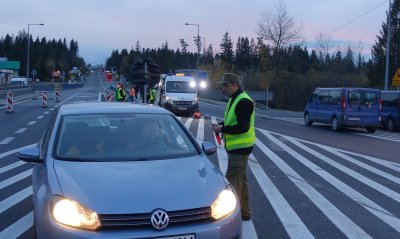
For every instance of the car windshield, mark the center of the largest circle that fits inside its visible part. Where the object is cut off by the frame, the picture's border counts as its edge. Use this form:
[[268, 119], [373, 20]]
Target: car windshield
[[122, 137], [180, 87]]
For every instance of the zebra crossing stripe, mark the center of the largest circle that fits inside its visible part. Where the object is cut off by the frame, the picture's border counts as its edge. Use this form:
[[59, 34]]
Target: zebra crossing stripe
[[222, 156], [360, 199], [188, 122], [357, 176], [361, 164], [292, 223], [200, 131], [11, 166], [18, 228], [14, 199], [15, 179]]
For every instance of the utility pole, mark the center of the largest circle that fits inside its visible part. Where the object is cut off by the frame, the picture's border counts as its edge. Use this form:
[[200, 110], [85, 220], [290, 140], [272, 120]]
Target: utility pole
[[387, 47]]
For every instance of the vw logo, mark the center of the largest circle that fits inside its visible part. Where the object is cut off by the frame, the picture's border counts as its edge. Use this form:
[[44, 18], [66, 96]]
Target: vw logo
[[159, 219]]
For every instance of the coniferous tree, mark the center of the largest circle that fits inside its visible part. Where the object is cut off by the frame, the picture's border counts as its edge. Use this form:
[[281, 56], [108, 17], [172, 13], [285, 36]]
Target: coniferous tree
[[227, 56]]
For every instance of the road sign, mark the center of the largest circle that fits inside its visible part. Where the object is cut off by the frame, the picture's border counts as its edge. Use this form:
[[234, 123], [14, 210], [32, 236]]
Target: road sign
[[396, 78]]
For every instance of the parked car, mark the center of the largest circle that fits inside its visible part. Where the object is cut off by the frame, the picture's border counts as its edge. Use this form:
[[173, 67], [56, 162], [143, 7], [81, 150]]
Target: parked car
[[390, 110], [119, 170], [344, 107]]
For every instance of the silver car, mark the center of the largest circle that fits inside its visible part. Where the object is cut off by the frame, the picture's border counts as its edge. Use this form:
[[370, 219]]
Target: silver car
[[116, 170]]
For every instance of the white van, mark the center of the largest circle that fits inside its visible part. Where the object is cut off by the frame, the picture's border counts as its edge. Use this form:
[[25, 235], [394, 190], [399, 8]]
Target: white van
[[19, 81], [178, 94]]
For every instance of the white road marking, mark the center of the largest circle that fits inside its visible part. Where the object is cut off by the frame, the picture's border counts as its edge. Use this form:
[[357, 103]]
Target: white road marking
[[188, 122], [47, 112], [222, 156], [342, 222], [6, 140], [11, 166], [32, 122], [19, 227], [200, 131], [39, 117], [363, 201], [15, 178], [14, 199], [20, 130]]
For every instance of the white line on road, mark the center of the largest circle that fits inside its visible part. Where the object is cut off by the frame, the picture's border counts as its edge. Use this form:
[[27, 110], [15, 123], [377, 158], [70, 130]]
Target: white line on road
[[188, 122], [14, 199], [360, 199], [6, 140], [32, 122], [11, 166], [39, 117], [19, 227], [47, 112], [20, 130], [15, 179]]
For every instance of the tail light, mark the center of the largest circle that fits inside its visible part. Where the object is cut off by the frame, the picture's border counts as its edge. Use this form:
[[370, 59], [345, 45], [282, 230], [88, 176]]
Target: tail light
[[343, 103]]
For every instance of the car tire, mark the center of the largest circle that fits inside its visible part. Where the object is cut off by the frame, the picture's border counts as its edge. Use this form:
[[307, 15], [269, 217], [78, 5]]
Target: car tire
[[334, 124], [307, 120], [390, 125], [371, 129]]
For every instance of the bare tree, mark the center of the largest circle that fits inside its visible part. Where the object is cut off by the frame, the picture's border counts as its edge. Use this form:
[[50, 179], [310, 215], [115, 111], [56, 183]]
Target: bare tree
[[278, 28], [324, 42]]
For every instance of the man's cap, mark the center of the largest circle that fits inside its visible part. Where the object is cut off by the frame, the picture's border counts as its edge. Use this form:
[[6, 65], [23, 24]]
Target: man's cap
[[229, 78]]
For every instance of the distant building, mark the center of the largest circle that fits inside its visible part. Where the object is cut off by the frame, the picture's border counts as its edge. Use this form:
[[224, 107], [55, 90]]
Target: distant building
[[8, 69]]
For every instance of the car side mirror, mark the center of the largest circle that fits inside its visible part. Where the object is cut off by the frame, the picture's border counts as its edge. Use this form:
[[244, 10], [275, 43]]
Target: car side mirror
[[209, 148], [30, 155]]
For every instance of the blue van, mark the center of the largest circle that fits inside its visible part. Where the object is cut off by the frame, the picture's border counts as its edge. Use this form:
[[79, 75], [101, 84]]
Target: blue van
[[344, 107], [390, 110]]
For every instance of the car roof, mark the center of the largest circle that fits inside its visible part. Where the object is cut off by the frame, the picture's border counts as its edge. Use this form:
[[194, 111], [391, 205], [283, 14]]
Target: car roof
[[110, 107]]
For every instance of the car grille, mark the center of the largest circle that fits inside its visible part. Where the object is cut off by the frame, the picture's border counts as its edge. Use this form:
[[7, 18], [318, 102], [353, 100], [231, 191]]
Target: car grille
[[183, 103], [110, 221]]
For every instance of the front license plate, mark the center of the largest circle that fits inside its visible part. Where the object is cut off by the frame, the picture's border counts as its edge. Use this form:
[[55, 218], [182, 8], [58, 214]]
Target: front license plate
[[191, 236], [182, 108]]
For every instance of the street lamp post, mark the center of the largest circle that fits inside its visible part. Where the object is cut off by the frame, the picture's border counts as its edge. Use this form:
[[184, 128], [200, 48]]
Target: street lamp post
[[27, 56], [198, 44], [388, 31]]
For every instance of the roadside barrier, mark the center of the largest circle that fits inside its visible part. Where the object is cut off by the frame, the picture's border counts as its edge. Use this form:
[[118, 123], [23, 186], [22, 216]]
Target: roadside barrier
[[10, 106], [44, 99], [57, 95]]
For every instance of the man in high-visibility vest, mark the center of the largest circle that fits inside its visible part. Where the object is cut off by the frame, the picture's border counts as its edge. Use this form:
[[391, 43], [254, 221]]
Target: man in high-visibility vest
[[152, 96], [239, 137]]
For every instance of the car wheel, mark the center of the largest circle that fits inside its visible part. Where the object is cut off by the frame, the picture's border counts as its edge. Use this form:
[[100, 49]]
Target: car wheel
[[371, 129], [307, 120], [390, 125], [335, 125]]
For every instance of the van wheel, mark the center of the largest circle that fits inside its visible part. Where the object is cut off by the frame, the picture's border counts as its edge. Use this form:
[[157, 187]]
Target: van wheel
[[335, 124], [307, 120], [390, 125], [371, 129]]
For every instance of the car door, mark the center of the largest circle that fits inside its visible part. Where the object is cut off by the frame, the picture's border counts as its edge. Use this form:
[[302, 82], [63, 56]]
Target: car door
[[370, 107], [354, 111], [312, 105], [323, 111]]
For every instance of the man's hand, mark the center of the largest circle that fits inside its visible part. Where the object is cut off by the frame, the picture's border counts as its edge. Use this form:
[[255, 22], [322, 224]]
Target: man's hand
[[217, 128]]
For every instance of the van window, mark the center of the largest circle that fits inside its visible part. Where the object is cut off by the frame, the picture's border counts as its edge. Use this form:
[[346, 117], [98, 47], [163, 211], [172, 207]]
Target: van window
[[354, 97], [370, 98], [180, 87], [335, 97], [324, 97], [314, 96], [390, 100]]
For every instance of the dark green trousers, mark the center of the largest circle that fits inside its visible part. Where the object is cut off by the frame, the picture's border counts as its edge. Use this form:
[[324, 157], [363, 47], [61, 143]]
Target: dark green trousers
[[236, 175]]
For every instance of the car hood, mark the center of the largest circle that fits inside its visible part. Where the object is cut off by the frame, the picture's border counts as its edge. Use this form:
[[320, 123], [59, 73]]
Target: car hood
[[140, 186]]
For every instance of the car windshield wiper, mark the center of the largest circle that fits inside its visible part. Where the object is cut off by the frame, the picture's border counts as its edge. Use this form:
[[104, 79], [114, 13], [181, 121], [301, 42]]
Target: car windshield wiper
[[79, 159]]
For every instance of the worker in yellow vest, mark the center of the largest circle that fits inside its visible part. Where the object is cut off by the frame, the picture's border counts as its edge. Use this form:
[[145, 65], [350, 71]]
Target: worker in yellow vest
[[239, 137]]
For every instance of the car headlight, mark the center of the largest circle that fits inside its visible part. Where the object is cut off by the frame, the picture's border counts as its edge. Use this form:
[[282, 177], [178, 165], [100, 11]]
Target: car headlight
[[224, 204], [203, 84], [71, 213]]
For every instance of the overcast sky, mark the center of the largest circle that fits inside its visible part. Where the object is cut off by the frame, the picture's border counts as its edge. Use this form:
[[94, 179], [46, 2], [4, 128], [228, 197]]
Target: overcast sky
[[100, 26]]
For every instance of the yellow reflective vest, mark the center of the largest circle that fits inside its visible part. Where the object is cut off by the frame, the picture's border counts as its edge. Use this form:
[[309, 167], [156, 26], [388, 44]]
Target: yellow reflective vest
[[237, 141]]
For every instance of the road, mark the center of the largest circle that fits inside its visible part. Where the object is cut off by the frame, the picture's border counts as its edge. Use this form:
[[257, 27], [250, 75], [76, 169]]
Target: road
[[304, 182]]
